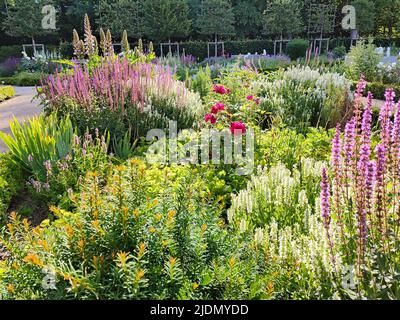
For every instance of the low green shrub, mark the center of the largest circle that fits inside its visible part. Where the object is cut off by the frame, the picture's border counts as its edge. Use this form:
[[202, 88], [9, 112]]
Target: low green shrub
[[363, 60], [6, 92], [11, 182], [378, 89], [130, 239], [289, 147], [339, 52], [24, 79], [297, 48]]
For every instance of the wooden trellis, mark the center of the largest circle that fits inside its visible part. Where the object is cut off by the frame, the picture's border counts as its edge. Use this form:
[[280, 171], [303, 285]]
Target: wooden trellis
[[281, 42], [215, 44], [34, 46], [321, 19], [170, 45], [319, 43]]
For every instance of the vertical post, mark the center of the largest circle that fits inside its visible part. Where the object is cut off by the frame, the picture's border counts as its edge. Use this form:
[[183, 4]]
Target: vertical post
[[216, 46], [34, 45]]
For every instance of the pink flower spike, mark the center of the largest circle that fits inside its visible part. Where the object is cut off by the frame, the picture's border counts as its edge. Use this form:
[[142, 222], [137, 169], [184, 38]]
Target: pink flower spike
[[210, 118], [238, 127]]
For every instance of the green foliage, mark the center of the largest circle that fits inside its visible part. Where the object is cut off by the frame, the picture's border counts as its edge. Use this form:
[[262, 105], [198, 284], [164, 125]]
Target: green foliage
[[9, 51], [24, 19], [378, 89], [125, 242], [124, 147], [282, 18], [64, 177], [248, 19], [165, 19], [363, 60], [289, 147], [6, 92], [216, 18], [121, 15], [339, 52], [24, 79], [365, 16], [11, 182], [201, 82], [297, 48], [39, 140]]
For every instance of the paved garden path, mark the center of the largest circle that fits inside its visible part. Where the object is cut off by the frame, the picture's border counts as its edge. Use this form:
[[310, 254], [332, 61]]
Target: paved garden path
[[21, 106]]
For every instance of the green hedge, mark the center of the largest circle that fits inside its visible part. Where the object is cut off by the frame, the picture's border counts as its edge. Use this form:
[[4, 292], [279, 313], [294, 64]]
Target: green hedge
[[233, 47], [297, 48], [378, 89], [24, 79], [10, 51], [6, 92]]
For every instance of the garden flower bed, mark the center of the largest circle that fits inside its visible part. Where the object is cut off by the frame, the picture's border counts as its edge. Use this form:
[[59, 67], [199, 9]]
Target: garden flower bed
[[250, 185]]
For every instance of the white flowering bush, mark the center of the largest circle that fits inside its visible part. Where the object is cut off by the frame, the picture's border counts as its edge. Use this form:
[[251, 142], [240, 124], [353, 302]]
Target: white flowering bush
[[389, 72], [39, 62], [301, 97], [277, 194]]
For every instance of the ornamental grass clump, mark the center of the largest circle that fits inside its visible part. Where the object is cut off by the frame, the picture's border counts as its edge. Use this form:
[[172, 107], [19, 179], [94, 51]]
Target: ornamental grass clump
[[118, 96]]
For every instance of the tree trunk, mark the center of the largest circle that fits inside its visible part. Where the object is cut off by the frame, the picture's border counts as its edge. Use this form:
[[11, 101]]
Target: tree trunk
[[34, 45]]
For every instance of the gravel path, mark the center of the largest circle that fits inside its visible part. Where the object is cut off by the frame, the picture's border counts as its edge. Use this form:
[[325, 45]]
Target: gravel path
[[21, 106]]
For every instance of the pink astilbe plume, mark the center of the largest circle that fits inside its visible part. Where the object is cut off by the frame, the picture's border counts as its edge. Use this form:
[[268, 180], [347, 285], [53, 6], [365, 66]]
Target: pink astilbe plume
[[113, 84]]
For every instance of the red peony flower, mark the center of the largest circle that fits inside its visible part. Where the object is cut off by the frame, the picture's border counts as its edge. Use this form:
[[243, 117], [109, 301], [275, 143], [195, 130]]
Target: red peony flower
[[210, 118], [238, 126], [217, 107], [250, 98], [220, 89], [257, 101]]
